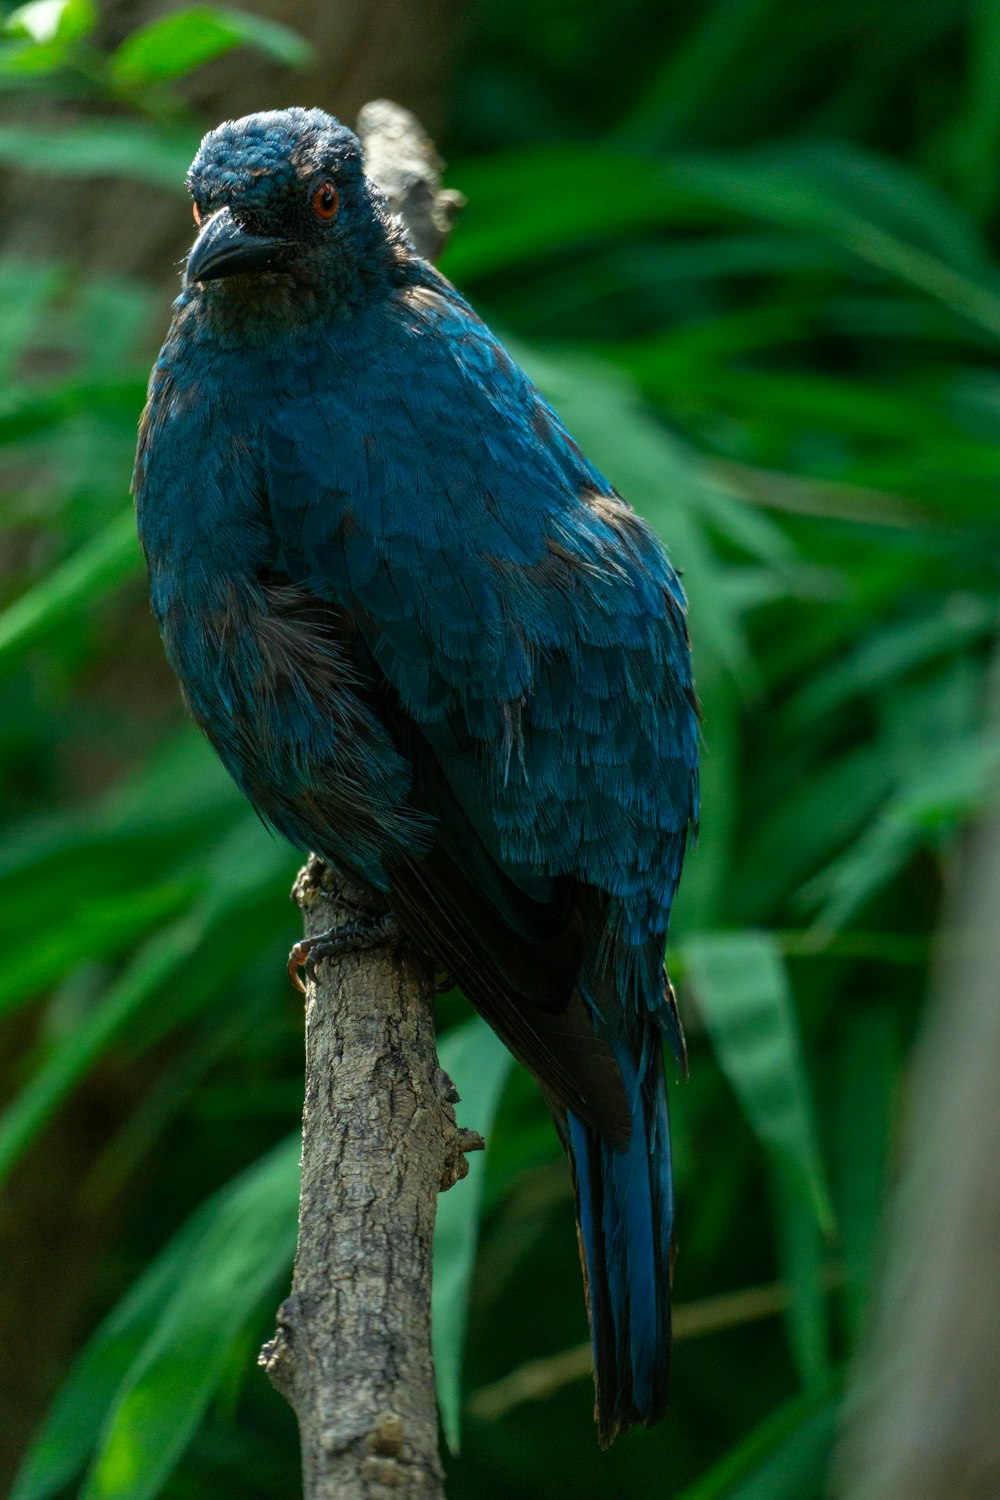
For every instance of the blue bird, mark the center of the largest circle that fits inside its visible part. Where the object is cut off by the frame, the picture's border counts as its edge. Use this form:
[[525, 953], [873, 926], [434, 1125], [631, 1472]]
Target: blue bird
[[430, 642]]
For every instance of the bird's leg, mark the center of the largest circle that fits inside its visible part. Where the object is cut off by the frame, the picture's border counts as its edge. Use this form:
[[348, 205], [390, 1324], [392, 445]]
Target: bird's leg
[[366, 929]]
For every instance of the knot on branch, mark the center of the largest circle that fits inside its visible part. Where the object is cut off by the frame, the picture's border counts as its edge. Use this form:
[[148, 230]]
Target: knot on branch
[[458, 1141], [277, 1356], [385, 1443], [317, 882], [446, 1090], [455, 1166], [387, 1435]]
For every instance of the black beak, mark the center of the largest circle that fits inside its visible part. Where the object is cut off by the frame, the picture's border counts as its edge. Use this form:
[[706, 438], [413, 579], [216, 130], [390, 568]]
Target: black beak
[[224, 249]]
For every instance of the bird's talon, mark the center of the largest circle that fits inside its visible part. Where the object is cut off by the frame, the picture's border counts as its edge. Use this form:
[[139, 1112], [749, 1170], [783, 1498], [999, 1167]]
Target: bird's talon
[[298, 959], [351, 937]]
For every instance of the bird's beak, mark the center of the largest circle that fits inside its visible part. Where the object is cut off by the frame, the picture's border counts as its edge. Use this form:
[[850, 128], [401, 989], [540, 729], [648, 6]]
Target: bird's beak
[[224, 249]]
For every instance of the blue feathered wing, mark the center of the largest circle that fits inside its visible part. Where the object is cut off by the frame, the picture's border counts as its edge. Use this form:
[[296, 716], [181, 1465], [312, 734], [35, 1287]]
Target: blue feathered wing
[[522, 634]]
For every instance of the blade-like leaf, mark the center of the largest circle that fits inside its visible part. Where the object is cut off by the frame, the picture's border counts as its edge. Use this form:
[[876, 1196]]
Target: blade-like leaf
[[944, 788], [75, 1054], [785, 1458], [892, 651], [244, 871], [140, 1387], [101, 148], [52, 20], [175, 44], [781, 194], [101, 563], [742, 991], [559, 210], [693, 70], [975, 134], [475, 1058], [800, 1252], [96, 929], [741, 985], [869, 1067]]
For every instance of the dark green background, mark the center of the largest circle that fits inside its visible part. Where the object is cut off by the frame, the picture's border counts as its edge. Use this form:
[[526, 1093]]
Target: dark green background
[[748, 250]]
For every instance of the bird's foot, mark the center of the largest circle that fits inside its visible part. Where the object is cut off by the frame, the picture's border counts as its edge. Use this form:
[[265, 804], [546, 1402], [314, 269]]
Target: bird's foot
[[367, 930]]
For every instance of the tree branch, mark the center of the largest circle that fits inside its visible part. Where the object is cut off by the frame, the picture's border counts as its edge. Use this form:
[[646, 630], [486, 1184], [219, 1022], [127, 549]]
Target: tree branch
[[352, 1351]]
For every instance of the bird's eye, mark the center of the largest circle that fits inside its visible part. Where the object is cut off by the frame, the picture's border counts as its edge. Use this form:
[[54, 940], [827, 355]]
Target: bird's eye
[[196, 214], [326, 201]]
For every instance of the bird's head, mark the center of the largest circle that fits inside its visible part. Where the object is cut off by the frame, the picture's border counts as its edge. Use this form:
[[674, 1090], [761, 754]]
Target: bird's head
[[286, 217]]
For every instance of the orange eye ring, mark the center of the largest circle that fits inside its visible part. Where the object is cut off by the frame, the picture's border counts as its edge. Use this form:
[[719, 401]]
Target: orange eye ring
[[196, 214], [326, 202]]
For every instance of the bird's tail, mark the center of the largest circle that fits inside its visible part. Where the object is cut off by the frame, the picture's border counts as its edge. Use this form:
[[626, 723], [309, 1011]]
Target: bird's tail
[[625, 1214]]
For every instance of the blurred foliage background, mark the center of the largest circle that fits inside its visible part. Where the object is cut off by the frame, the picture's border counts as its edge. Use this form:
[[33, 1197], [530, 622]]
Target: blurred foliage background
[[748, 248]]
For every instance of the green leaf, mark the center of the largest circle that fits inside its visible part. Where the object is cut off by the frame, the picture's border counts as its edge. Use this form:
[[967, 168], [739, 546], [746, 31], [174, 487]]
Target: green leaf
[[785, 1458], [142, 1384], [26, 290], [110, 398], [245, 873], [23, 60], [53, 20], [471, 1052], [97, 928], [974, 136], [101, 148], [175, 44], [504, 226], [801, 1257], [152, 966], [71, 588], [947, 786], [944, 627], [70, 1433], [741, 987], [779, 193], [808, 822], [692, 71], [145, 821], [892, 196], [46, 34], [869, 1069]]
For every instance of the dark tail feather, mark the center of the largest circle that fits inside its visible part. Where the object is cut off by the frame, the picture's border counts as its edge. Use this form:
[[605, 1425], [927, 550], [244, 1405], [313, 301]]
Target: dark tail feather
[[625, 1219]]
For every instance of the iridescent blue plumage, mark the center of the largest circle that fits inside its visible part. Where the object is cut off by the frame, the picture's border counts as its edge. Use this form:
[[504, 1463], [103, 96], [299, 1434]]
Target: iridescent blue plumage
[[430, 642]]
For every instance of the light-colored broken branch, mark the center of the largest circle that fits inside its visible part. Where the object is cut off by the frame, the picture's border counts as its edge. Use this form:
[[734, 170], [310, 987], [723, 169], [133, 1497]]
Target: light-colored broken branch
[[400, 156]]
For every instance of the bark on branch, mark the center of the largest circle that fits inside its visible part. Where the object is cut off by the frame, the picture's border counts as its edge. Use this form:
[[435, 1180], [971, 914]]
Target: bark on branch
[[379, 1141], [352, 1351]]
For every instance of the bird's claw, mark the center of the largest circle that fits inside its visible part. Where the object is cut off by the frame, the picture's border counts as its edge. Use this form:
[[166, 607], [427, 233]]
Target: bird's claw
[[350, 937]]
